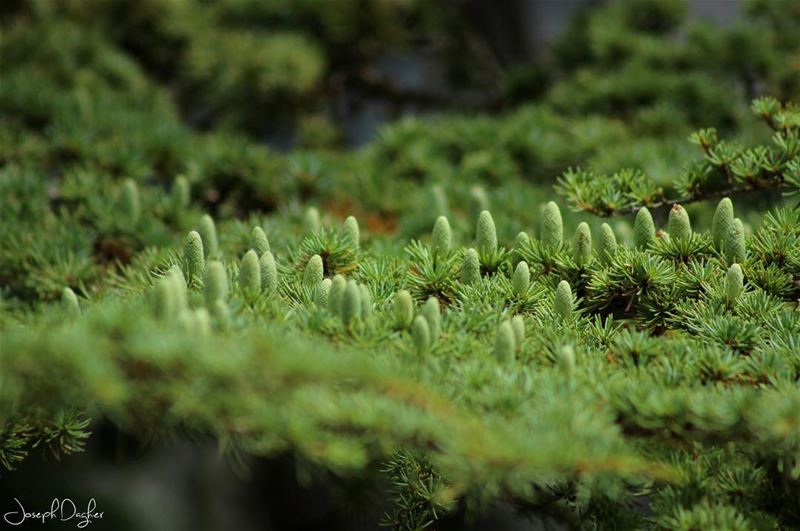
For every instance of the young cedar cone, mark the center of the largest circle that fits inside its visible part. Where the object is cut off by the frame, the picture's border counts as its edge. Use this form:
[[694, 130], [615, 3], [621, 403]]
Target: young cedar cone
[[432, 314], [607, 244], [734, 246], [250, 273], [313, 273], [722, 222], [323, 290], [215, 284], [351, 303], [421, 335], [679, 225], [259, 241], [193, 255], [471, 267], [403, 309], [351, 230], [734, 283], [269, 273], [505, 345], [582, 244], [552, 230], [208, 232], [518, 326], [562, 304], [486, 234], [335, 295], [70, 302], [442, 238], [521, 280], [644, 230]]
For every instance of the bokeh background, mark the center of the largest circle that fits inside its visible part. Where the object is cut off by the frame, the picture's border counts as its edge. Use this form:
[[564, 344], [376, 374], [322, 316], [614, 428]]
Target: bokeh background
[[396, 110]]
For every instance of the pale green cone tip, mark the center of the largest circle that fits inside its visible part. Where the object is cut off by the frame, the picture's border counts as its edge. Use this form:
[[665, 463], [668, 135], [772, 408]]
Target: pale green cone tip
[[433, 314], [442, 237], [471, 267], [722, 222], [366, 301], [70, 302], [521, 240], [269, 273], [351, 303], [505, 344], [566, 360], [644, 230], [518, 326], [582, 244], [181, 193], [338, 286], [208, 232], [734, 283], [521, 280], [734, 246], [607, 244], [311, 220], [420, 335], [215, 284], [323, 291], [352, 231], [259, 241], [131, 204], [314, 271], [562, 304], [194, 257], [403, 309], [679, 225], [552, 229], [250, 273], [486, 233]]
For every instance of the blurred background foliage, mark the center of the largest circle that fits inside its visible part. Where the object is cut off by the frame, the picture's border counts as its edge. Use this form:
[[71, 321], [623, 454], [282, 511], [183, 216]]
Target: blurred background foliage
[[395, 111]]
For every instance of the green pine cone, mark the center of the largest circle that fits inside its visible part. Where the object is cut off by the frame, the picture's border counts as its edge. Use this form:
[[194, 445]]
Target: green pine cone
[[521, 280], [582, 244], [420, 335], [562, 304], [518, 326], [607, 245], [215, 284], [644, 230], [335, 295], [208, 232], [552, 231], [734, 246], [442, 238], [722, 222], [164, 303], [471, 268], [522, 240], [314, 271], [486, 234], [180, 194], [193, 255], [250, 273], [433, 314], [403, 309], [351, 303], [70, 302], [505, 345], [131, 204], [311, 220], [734, 283], [259, 241], [679, 225], [366, 301], [178, 283], [269, 273], [323, 291], [566, 360], [352, 231]]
